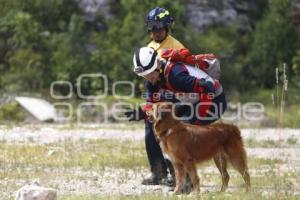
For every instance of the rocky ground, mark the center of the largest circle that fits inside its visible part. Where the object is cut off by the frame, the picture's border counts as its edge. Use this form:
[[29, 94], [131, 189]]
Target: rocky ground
[[265, 144]]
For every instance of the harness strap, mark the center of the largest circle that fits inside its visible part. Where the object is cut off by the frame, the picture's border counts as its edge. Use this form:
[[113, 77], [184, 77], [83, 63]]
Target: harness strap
[[169, 66], [167, 70]]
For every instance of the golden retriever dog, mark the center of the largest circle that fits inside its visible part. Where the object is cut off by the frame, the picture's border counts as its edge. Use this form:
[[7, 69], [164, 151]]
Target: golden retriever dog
[[186, 145]]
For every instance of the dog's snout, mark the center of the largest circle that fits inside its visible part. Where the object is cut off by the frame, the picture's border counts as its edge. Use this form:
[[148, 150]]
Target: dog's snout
[[149, 114]]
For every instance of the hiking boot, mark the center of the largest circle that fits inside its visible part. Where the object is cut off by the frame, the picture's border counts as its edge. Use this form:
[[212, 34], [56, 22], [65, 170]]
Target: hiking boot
[[168, 181], [158, 173], [152, 180]]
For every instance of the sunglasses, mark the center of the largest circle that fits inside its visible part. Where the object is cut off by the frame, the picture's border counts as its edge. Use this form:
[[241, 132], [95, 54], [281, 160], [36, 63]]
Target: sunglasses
[[155, 26]]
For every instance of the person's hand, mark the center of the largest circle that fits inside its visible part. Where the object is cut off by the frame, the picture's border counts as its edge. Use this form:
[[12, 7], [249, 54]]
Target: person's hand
[[135, 115], [208, 86]]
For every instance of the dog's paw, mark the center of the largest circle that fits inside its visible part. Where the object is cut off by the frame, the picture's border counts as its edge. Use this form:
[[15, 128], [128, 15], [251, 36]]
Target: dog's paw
[[177, 192]]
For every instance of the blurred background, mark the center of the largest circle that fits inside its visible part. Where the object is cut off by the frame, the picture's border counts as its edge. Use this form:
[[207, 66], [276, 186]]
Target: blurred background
[[57, 55], [59, 40]]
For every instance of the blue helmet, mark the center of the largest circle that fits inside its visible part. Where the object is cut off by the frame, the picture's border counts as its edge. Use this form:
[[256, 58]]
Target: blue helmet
[[158, 18]]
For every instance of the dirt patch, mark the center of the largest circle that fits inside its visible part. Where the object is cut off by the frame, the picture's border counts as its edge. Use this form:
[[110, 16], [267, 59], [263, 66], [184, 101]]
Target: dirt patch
[[117, 181], [54, 134]]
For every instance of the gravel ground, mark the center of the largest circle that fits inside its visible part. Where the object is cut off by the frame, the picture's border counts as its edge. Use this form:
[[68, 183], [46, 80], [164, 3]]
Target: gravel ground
[[44, 134], [114, 181], [108, 182]]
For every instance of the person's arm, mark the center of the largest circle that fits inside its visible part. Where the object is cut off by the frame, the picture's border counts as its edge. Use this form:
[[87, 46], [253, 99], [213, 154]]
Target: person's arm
[[139, 114], [180, 79]]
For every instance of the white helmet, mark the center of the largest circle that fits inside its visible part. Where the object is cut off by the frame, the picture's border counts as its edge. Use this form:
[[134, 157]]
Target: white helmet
[[145, 61]]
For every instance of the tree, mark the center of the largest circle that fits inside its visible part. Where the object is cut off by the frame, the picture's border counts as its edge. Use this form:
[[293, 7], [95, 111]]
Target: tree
[[274, 42], [27, 30]]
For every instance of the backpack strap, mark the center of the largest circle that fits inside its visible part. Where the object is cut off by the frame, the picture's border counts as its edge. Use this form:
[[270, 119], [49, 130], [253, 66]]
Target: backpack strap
[[167, 70]]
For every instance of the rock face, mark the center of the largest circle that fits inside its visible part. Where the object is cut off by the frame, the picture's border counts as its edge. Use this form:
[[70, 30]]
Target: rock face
[[95, 11], [207, 13], [201, 14], [93, 7], [295, 13], [35, 192]]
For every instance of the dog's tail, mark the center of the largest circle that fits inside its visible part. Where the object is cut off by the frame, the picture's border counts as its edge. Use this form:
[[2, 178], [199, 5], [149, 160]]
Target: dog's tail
[[234, 148]]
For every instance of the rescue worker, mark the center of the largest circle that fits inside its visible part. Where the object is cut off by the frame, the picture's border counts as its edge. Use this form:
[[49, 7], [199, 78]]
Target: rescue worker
[[185, 83], [159, 23]]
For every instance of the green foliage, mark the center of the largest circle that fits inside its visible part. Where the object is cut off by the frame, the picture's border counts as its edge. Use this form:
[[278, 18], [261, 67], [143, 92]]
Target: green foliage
[[44, 41], [70, 58], [12, 112], [27, 31], [291, 112], [21, 59], [274, 42], [296, 63]]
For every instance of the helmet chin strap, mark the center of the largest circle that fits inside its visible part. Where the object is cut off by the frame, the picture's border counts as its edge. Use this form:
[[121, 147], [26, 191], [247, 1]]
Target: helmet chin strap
[[160, 41], [161, 76]]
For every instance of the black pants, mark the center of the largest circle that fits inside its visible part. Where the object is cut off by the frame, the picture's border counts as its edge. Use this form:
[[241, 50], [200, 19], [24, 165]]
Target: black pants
[[156, 160]]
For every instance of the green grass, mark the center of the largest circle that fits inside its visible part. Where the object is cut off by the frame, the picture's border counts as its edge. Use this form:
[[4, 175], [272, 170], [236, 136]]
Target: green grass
[[291, 114], [92, 154], [86, 154], [290, 117], [73, 160], [12, 112], [268, 143]]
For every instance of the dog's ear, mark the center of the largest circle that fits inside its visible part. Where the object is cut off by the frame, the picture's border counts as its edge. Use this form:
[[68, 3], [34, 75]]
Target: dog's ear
[[150, 114]]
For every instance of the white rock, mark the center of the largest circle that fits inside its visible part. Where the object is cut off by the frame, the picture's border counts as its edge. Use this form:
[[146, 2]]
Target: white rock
[[34, 192]]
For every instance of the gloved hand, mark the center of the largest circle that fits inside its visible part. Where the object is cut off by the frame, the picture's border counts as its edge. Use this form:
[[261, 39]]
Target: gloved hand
[[207, 85], [135, 115]]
